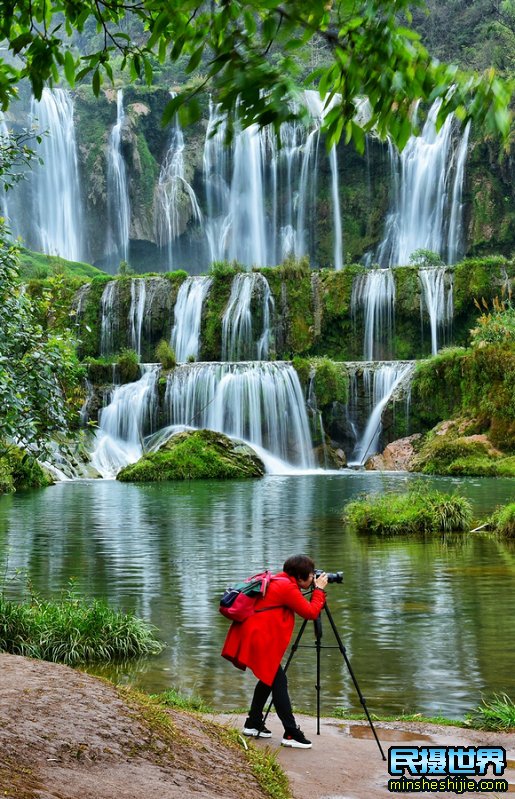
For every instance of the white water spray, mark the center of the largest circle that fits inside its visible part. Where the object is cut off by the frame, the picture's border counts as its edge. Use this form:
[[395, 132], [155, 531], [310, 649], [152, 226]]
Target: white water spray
[[118, 206]]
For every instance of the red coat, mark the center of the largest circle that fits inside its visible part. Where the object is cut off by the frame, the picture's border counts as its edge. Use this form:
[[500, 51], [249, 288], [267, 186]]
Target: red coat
[[260, 641]]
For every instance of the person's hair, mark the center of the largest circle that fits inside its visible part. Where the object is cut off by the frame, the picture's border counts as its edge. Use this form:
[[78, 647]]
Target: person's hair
[[299, 566]]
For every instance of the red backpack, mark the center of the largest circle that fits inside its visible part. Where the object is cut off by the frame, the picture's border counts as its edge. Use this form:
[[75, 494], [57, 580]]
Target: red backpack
[[237, 603]]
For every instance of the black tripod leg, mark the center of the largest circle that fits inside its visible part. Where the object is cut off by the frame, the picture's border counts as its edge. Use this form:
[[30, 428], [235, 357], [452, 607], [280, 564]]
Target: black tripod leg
[[349, 667], [318, 644], [293, 649]]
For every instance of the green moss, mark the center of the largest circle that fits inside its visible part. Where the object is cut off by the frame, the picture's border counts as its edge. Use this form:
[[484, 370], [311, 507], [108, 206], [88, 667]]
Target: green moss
[[39, 266], [198, 455], [214, 307]]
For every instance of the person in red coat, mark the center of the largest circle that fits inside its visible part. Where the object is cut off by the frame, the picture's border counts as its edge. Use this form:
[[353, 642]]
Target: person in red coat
[[260, 642]]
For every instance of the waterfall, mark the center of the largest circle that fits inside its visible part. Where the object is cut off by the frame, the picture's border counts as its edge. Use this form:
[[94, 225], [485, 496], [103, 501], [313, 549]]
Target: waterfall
[[185, 338], [130, 414], [56, 189], [437, 298], [319, 110], [427, 209], [380, 381], [109, 317], [174, 195], [137, 312], [455, 236], [259, 195], [374, 293], [237, 329], [261, 403], [118, 208]]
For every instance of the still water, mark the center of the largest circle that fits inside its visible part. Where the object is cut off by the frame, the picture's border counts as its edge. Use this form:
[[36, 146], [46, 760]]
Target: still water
[[428, 624]]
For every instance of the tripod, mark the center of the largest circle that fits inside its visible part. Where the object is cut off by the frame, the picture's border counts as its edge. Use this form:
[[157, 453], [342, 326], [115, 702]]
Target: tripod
[[319, 646]]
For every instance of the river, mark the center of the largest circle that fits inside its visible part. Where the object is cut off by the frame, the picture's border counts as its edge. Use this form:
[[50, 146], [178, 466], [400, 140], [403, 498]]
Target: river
[[428, 623]]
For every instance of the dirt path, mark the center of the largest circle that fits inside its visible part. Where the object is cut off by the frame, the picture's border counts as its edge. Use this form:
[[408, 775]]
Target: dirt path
[[345, 762], [67, 735]]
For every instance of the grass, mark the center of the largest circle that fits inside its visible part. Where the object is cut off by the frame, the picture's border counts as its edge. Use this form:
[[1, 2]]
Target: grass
[[503, 520], [497, 714], [73, 630], [174, 698], [39, 266], [418, 511], [344, 713]]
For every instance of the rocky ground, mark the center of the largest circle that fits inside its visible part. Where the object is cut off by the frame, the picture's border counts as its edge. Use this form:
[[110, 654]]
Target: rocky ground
[[65, 735]]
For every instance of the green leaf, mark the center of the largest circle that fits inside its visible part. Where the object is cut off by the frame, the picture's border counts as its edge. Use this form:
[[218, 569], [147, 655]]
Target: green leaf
[[95, 82], [195, 59], [69, 68]]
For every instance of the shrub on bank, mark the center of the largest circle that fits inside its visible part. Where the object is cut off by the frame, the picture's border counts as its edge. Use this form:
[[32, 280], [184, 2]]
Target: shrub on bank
[[417, 511], [19, 470], [73, 630], [494, 714], [503, 520]]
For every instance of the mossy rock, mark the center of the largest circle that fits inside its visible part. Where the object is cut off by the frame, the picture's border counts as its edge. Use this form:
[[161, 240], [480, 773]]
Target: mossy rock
[[453, 454], [19, 470], [196, 455]]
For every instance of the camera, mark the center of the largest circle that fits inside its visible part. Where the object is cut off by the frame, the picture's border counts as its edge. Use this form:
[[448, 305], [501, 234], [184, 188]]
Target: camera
[[332, 577]]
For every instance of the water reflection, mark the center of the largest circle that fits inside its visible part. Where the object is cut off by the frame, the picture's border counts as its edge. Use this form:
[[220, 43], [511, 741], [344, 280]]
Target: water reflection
[[420, 618]]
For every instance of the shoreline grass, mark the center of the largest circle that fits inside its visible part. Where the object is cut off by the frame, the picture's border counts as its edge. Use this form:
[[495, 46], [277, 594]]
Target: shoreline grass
[[73, 630]]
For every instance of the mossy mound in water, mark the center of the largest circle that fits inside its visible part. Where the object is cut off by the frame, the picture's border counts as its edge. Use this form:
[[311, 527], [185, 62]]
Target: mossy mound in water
[[196, 455]]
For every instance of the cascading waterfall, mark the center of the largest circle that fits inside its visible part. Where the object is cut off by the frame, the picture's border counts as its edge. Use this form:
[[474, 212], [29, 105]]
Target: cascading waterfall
[[427, 200], [185, 338], [58, 215], [261, 403], [129, 416], [137, 312], [118, 206], [455, 237], [380, 381], [238, 338], [374, 293], [437, 299], [174, 195], [109, 317], [259, 196]]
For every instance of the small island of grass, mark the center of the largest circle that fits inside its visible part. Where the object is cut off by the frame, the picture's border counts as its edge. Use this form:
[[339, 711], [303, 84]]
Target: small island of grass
[[196, 455], [417, 511]]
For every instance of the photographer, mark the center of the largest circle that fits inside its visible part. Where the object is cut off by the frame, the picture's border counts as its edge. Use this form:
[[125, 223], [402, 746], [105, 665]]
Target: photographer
[[260, 642]]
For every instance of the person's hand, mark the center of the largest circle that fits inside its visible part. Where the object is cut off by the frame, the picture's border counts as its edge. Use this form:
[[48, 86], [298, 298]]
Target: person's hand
[[321, 581]]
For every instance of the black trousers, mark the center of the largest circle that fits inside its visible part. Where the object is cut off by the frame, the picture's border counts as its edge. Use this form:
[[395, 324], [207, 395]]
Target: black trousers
[[280, 698]]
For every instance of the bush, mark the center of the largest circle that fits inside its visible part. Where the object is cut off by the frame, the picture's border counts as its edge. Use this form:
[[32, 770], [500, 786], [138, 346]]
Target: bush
[[425, 258], [225, 269], [73, 630], [293, 267], [496, 326], [418, 511], [128, 366], [503, 520], [166, 355], [497, 713]]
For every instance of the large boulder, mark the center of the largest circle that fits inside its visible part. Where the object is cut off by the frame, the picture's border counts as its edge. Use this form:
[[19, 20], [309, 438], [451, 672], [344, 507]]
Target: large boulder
[[396, 457], [196, 455]]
